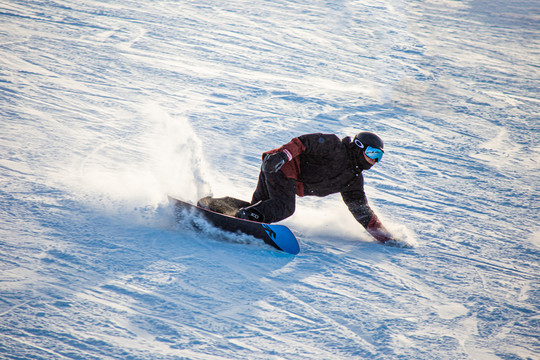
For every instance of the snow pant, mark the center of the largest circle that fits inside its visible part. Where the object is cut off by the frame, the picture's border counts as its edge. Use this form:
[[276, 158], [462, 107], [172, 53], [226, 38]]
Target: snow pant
[[275, 196]]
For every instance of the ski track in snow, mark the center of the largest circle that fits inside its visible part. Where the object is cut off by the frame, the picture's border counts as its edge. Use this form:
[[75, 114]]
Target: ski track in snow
[[107, 107]]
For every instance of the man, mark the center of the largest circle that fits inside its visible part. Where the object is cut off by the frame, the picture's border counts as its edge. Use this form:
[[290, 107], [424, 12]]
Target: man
[[317, 165]]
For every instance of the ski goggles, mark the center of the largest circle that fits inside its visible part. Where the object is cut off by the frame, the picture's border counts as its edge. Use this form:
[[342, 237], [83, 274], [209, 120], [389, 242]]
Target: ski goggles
[[374, 153], [370, 151]]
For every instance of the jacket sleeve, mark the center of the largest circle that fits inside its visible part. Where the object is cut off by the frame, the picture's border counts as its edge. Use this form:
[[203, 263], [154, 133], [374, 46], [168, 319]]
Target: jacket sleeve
[[357, 203], [292, 149]]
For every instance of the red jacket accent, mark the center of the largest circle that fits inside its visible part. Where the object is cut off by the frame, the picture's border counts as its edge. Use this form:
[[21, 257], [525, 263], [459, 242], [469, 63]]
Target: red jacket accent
[[291, 169]]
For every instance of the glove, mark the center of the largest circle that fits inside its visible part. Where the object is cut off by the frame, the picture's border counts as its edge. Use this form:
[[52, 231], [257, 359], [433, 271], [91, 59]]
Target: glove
[[377, 230], [273, 162]]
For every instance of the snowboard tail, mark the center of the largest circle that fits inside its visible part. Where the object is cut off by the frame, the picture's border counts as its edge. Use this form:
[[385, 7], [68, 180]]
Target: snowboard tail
[[220, 213]]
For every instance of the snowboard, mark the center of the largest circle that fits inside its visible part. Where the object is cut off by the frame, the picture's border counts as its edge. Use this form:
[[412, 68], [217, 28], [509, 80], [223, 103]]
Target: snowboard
[[220, 213]]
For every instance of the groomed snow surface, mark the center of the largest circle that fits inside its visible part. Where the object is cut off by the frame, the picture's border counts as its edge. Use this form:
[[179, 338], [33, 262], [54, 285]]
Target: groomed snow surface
[[109, 106]]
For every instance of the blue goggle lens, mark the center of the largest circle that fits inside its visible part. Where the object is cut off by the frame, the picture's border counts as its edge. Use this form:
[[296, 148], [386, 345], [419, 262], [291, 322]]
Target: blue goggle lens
[[374, 153]]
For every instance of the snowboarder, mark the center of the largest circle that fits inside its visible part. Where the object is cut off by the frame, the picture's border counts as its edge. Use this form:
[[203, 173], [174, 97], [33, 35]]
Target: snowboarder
[[317, 165]]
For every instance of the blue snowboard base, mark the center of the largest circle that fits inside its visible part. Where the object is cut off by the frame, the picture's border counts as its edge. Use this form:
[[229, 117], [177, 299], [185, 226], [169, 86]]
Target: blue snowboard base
[[220, 213]]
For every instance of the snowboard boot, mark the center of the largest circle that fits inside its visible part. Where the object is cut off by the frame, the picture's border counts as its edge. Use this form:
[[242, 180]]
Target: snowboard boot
[[250, 213], [225, 205]]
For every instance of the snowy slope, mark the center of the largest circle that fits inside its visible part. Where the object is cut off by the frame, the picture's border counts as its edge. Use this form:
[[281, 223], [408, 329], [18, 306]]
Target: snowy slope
[[108, 106]]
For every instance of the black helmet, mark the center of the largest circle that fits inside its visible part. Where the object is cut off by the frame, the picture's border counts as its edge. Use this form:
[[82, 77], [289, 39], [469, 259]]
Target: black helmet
[[365, 139]]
